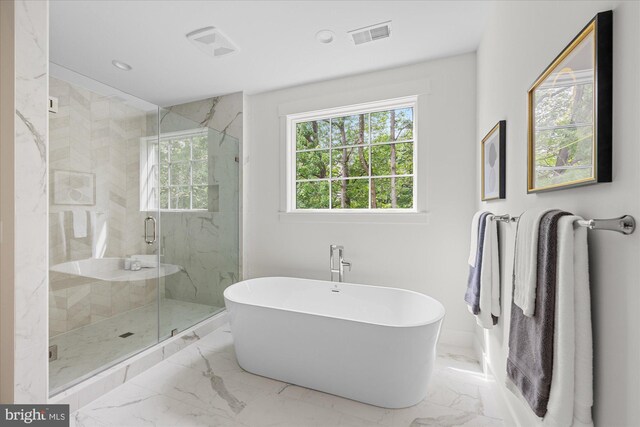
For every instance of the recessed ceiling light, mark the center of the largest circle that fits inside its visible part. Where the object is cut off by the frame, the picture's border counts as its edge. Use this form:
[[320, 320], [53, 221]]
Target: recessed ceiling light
[[121, 65], [324, 36]]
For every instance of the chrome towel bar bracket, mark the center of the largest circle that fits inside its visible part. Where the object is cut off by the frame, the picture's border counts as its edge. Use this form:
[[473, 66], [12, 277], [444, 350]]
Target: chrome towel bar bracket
[[504, 218], [626, 224]]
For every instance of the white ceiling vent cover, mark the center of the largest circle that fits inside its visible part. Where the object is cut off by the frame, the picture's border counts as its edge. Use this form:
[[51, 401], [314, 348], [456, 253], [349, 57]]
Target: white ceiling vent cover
[[211, 41], [371, 33]]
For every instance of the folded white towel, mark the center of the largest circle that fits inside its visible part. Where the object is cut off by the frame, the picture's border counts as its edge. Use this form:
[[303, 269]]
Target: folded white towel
[[490, 276], [571, 395], [79, 222], [473, 246], [525, 261]]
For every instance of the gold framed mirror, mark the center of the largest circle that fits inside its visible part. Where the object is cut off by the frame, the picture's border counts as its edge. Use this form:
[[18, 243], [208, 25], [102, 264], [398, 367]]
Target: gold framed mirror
[[569, 113]]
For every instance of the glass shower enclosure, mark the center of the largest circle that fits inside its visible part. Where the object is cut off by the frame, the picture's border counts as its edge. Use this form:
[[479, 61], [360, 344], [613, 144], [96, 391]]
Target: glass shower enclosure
[[143, 225], [198, 196]]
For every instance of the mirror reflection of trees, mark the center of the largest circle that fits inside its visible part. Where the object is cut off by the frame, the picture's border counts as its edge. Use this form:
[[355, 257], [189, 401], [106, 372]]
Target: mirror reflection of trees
[[356, 162], [563, 105]]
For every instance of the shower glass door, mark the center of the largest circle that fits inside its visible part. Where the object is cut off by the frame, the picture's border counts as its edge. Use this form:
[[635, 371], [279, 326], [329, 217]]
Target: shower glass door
[[100, 310], [198, 177]]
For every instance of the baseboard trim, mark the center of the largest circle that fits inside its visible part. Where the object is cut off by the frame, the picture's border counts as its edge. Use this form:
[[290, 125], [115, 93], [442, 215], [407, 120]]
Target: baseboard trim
[[457, 338]]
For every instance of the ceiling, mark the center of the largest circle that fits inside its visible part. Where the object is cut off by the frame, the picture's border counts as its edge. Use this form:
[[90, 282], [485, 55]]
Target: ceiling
[[276, 40]]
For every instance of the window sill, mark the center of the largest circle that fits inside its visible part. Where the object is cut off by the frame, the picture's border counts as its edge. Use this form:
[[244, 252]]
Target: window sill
[[355, 217], [183, 210]]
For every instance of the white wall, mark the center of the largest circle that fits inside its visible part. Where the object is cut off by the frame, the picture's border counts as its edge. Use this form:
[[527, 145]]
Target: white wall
[[521, 39], [428, 257]]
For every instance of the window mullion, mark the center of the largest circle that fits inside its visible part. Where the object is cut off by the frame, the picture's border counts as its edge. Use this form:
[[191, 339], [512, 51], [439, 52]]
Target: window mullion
[[330, 164], [190, 173], [370, 159], [169, 174]]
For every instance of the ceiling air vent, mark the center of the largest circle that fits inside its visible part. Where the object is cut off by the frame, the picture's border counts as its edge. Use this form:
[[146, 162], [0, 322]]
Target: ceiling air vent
[[212, 42], [371, 33]]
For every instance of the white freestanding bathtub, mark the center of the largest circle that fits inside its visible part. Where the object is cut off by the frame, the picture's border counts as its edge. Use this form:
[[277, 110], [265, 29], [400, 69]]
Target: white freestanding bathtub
[[373, 344]]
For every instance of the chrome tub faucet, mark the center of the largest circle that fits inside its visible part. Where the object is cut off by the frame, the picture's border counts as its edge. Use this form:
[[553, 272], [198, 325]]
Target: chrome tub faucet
[[341, 262]]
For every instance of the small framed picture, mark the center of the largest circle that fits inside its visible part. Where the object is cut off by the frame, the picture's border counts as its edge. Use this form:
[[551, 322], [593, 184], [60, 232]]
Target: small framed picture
[[74, 188], [494, 162], [570, 113]]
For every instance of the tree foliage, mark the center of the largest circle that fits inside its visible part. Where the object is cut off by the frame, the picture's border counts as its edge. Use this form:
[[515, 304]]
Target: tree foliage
[[354, 162], [184, 173], [563, 133]]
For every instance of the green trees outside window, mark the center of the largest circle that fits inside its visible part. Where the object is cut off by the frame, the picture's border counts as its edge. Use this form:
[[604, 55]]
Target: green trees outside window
[[360, 161], [184, 172]]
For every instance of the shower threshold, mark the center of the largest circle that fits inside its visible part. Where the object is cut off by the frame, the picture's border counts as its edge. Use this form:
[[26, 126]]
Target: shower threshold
[[97, 346]]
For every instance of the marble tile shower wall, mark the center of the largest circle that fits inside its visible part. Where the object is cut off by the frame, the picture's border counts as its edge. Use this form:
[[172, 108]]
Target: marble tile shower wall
[[29, 358], [205, 243], [100, 135]]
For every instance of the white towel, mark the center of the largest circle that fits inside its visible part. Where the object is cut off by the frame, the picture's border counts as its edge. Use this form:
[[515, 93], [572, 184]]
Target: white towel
[[583, 402], [525, 261], [79, 222], [571, 396], [99, 234], [63, 233], [473, 246], [490, 276]]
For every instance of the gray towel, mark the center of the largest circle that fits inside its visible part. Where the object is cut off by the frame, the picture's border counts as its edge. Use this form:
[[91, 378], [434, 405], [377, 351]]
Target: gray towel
[[530, 361], [472, 295]]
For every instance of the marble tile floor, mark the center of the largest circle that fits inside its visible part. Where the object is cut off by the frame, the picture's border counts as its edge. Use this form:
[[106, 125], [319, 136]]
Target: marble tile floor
[[92, 347], [202, 385]]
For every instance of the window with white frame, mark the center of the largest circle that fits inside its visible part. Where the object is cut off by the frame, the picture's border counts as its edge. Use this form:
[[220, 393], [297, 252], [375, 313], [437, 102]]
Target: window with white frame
[[176, 174], [354, 158]]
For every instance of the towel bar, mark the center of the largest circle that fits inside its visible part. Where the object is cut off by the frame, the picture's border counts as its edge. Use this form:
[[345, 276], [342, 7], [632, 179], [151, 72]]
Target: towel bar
[[626, 224]]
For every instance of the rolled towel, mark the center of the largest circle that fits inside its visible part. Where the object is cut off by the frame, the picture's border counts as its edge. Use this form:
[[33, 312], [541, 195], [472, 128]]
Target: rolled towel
[[146, 261], [525, 261]]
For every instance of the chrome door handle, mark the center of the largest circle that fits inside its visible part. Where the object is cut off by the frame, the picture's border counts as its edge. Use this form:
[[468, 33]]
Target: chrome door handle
[[147, 240]]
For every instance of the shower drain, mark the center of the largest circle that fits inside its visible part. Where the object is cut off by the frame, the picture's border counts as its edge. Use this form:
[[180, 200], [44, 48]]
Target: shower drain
[[126, 335]]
